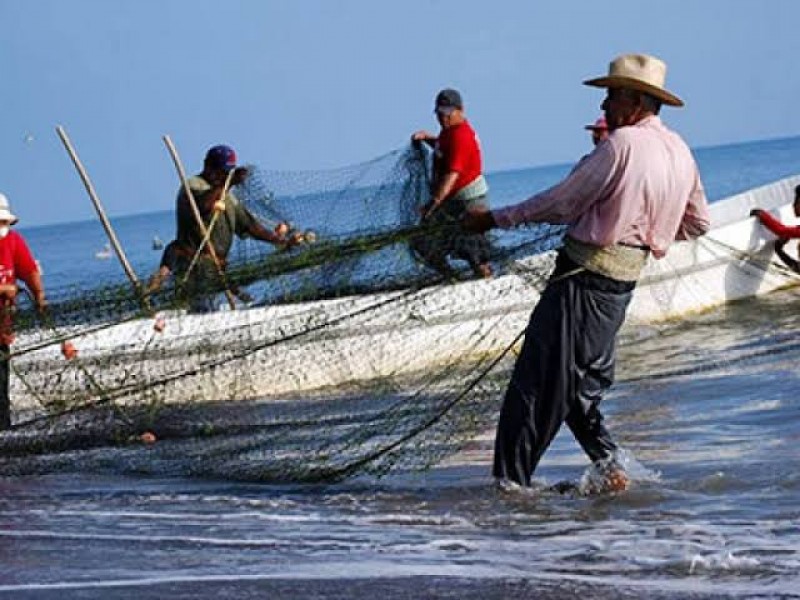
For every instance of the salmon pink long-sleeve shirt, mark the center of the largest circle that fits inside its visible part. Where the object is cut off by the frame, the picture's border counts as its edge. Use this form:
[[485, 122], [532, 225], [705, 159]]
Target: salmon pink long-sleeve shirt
[[640, 187]]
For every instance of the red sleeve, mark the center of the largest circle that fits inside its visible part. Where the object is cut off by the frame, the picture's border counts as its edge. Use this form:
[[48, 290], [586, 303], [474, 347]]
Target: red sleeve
[[24, 265], [775, 226]]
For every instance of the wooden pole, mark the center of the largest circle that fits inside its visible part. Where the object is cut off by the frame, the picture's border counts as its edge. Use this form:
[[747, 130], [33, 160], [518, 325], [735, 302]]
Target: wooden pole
[[101, 213], [173, 152]]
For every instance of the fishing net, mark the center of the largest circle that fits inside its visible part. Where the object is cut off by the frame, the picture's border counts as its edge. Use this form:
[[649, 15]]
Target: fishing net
[[353, 354]]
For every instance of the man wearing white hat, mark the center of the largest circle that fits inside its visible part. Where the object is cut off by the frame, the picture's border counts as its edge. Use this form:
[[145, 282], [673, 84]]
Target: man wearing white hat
[[629, 199], [16, 262]]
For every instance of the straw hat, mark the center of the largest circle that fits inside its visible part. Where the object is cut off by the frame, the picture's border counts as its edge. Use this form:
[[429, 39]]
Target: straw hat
[[5, 211], [638, 72]]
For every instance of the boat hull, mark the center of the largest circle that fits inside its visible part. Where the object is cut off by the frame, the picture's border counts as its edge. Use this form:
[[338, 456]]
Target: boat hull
[[364, 342]]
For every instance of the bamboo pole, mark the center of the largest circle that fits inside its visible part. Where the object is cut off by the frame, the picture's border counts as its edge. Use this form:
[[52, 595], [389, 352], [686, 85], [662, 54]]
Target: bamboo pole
[[173, 152], [101, 213]]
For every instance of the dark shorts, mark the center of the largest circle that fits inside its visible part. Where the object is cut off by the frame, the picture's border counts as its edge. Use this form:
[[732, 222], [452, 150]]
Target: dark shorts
[[449, 239]]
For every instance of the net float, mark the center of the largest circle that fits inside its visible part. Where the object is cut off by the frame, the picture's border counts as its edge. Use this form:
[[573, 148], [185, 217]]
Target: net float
[[68, 350]]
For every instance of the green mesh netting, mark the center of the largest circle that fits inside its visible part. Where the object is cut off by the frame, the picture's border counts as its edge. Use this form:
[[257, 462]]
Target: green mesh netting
[[353, 356]]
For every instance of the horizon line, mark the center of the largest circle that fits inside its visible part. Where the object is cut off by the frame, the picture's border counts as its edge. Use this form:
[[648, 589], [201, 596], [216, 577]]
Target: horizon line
[[488, 173]]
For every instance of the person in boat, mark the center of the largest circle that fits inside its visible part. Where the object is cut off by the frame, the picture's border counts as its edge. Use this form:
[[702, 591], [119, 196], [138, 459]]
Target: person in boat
[[207, 188], [104, 253], [16, 263], [629, 199], [784, 233], [458, 183], [599, 130]]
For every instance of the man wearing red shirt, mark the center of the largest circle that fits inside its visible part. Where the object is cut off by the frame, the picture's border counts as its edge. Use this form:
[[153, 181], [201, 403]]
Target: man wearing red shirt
[[458, 185], [16, 262], [784, 233]]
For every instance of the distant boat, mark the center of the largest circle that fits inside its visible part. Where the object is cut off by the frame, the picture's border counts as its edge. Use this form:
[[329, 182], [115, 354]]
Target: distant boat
[[158, 244], [103, 254]]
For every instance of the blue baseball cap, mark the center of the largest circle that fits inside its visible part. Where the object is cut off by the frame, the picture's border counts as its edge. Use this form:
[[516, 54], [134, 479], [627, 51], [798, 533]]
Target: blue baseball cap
[[447, 101], [221, 157]]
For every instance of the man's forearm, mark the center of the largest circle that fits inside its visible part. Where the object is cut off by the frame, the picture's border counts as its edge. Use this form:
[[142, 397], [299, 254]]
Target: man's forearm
[[445, 188], [793, 264], [34, 283], [260, 232]]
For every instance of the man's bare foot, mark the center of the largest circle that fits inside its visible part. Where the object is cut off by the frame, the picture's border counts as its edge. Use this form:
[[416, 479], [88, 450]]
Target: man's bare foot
[[604, 477], [617, 481]]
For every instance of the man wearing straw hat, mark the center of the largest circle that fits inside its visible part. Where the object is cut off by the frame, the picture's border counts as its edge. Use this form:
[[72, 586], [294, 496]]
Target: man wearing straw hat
[[629, 199], [16, 262]]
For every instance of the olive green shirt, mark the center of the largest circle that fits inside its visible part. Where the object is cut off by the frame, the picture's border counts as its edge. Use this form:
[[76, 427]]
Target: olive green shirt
[[235, 220]]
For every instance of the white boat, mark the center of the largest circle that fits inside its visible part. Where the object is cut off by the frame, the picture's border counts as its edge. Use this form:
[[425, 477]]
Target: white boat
[[104, 253], [734, 260], [285, 350]]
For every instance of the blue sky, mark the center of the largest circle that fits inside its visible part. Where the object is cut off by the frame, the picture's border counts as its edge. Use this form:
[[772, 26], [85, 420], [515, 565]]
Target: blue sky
[[311, 84]]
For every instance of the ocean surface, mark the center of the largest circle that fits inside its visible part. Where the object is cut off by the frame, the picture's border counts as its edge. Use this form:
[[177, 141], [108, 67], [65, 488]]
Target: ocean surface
[[709, 407], [67, 252]]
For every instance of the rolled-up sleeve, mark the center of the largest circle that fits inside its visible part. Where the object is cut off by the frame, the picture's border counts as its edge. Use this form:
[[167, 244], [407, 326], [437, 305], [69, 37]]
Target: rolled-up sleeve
[[696, 219], [243, 219], [24, 264], [568, 200]]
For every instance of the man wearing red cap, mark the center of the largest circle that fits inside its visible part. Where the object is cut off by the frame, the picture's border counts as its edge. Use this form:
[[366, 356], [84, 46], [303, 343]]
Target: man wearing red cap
[[16, 262], [629, 199], [219, 174], [599, 130]]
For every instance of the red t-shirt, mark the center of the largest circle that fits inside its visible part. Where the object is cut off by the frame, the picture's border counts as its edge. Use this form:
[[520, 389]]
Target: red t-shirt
[[16, 262], [458, 150]]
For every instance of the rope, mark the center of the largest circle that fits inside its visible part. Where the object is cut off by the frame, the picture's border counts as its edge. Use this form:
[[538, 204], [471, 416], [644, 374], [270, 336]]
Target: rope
[[766, 265], [373, 456]]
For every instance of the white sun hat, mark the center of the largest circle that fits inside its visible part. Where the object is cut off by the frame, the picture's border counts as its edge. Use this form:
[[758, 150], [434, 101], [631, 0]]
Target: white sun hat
[[5, 210]]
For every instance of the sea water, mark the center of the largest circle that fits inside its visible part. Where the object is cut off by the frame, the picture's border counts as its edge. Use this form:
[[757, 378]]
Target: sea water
[[708, 408], [68, 252]]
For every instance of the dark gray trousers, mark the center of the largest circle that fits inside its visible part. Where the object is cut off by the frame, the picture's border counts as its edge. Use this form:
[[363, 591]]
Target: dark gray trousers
[[5, 400], [566, 363]]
